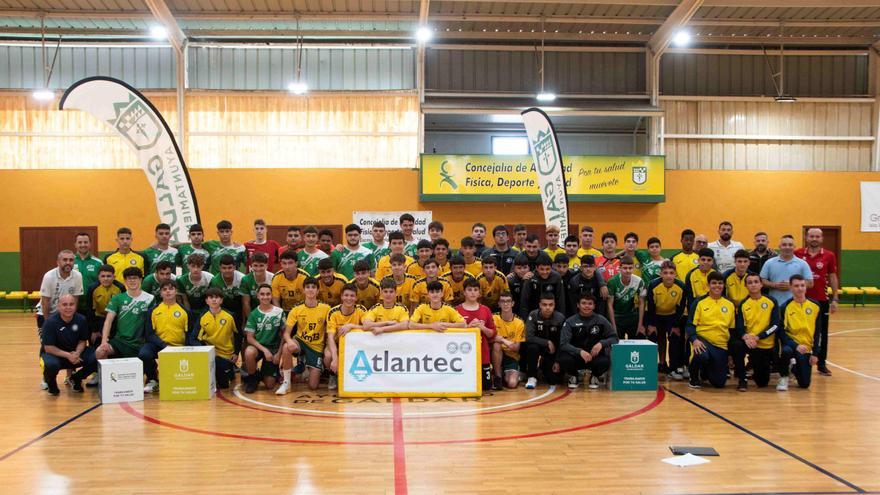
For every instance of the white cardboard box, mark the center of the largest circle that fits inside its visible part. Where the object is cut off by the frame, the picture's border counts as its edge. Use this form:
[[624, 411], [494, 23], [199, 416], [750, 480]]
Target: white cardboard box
[[122, 380]]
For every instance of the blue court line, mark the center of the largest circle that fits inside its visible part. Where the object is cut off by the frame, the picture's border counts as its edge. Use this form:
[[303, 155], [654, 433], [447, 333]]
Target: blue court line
[[770, 443], [49, 432]]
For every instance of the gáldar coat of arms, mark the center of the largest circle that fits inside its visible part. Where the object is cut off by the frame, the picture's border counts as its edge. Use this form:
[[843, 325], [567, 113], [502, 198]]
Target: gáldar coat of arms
[[136, 122]]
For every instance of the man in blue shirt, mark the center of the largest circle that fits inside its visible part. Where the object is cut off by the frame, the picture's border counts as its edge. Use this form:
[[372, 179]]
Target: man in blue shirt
[[64, 337], [776, 272]]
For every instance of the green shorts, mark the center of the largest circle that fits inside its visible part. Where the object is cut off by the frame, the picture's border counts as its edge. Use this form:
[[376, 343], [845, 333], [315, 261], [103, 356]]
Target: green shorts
[[509, 364], [122, 349], [267, 367], [309, 356]]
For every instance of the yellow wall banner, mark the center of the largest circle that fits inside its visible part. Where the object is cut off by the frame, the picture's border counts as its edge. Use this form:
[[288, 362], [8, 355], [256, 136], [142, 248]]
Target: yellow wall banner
[[624, 178]]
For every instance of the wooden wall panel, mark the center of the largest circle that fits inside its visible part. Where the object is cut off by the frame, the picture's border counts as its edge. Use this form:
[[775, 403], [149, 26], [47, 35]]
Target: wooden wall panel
[[764, 135]]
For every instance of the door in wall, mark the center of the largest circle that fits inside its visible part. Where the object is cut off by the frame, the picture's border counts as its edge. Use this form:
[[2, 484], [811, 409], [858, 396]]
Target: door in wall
[[39, 248]]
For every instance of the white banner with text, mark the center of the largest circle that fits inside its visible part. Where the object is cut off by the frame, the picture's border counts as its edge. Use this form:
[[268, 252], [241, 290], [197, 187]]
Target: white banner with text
[[412, 363]]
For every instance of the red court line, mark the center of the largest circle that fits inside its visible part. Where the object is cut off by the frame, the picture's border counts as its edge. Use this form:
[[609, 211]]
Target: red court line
[[130, 410], [399, 450], [656, 402], [558, 397]]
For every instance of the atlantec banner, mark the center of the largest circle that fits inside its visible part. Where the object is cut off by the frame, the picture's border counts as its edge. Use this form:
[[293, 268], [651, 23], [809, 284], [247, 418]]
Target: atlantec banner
[[551, 174], [623, 178], [411, 363], [134, 118]]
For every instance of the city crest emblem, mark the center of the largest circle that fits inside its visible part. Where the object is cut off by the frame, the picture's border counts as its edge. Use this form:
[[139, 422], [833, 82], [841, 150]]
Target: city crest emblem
[[136, 122], [639, 175]]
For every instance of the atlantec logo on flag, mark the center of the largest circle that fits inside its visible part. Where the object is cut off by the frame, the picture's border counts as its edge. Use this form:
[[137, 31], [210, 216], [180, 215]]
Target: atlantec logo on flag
[[364, 367]]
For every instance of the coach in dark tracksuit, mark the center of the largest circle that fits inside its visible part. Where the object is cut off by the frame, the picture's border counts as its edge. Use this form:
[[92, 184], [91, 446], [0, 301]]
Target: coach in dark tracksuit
[[543, 327], [586, 340], [64, 336]]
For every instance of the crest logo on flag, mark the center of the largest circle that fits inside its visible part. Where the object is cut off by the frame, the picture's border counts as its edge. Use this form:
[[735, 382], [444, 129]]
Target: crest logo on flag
[[136, 122]]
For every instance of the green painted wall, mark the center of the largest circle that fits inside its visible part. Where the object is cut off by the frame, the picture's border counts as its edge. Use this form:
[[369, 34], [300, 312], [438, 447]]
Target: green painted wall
[[10, 271]]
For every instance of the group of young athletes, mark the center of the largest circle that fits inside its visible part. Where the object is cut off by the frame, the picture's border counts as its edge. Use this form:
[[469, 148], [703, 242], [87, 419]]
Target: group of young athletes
[[275, 313]]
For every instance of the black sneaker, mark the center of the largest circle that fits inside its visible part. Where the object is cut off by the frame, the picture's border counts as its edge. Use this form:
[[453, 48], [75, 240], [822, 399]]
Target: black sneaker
[[53, 389], [743, 385], [496, 383], [250, 385], [824, 371], [77, 384], [694, 381]]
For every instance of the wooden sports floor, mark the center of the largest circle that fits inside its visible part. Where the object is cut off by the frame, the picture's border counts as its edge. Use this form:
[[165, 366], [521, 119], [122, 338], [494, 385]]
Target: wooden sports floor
[[825, 440]]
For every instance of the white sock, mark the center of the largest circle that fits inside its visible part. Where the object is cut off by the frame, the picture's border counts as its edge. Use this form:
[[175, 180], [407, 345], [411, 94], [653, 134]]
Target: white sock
[[286, 375]]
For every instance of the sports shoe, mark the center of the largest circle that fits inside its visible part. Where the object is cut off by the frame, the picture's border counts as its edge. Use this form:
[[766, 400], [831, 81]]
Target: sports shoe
[[594, 383], [573, 382], [782, 384], [743, 385], [250, 385], [151, 387], [52, 388], [496, 383], [824, 371], [675, 375], [332, 383], [94, 381], [44, 385], [694, 383], [77, 385], [283, 389], [531, 383], [685, 372]]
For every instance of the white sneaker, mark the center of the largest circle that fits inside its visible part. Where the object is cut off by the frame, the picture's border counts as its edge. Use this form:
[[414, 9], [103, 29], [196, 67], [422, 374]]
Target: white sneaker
[[675, 375], [573, 382], [594, 383], [151, 387], [531, 383], [331, 383], [44, 385], [283, 389], [782, 384], [93, 382], [685, 372]]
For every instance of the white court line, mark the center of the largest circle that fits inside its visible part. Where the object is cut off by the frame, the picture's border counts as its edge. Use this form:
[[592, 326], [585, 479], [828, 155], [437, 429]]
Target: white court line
[[869, 377], [237, 393], [854, 331]]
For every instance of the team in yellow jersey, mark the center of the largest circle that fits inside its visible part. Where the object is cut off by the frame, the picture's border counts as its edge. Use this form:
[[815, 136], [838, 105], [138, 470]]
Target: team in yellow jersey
[[697, 316]]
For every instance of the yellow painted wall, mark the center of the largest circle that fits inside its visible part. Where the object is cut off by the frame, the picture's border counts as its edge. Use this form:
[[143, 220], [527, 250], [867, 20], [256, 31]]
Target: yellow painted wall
[[777, 202]]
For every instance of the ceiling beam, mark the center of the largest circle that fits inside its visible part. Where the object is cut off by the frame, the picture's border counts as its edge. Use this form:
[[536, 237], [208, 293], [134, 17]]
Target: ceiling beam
[[288, 34], [368, 17], [676, 20], [163, 14]]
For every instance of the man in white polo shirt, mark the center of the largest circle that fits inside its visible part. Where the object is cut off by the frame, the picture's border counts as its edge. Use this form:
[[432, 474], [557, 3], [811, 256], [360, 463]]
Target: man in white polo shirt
[[725, 247], [58, 281]]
